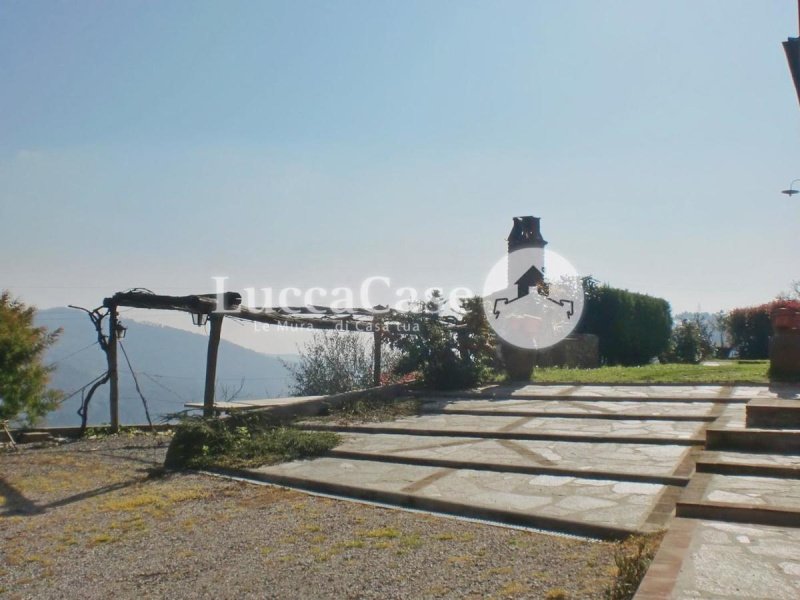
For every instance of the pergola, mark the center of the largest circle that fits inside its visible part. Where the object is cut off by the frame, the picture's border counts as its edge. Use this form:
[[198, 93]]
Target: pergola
[[206, 309]]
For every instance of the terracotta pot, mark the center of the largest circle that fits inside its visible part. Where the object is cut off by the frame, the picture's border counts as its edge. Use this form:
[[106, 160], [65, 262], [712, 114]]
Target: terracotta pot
[[784, 319]]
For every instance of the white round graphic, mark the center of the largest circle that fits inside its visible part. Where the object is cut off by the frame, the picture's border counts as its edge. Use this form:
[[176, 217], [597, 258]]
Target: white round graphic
[[533, 298]]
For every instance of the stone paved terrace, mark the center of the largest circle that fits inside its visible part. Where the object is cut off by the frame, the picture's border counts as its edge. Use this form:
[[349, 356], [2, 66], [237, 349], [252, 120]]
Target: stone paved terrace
[[598, 461], [602, 461]]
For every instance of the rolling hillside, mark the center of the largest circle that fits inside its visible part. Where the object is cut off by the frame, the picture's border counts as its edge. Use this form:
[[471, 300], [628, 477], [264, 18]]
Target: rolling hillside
[[170, 365]]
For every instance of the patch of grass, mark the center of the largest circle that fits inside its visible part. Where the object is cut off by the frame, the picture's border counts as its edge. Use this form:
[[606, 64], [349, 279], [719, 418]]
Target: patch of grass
[[353, 544], [727, 372], [102, 538], [513, 589], [240, 443], [412, 540], [150, 501], [632, 559], [499, 571], [383, 533]]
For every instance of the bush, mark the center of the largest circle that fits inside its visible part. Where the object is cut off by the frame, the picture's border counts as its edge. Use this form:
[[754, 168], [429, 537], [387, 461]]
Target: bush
[[632, 559], [632, 328], [23, 377], [690, 342], [331, 363], [750, 328], [242, 441], [447, 356]]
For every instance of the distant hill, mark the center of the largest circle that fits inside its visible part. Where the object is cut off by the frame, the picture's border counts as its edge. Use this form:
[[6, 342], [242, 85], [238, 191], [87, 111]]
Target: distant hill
[[169, 362]]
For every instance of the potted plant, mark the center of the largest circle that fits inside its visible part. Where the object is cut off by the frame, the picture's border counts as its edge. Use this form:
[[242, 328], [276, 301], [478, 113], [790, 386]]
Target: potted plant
[[785, 316]]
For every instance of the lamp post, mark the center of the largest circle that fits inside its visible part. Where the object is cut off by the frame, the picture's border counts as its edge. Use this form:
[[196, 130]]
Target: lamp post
[[791, 191]]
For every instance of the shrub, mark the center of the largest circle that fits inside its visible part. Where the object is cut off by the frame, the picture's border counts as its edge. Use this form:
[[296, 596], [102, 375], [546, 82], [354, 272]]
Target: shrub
[[331, 363], [448, 354], [690, 342], [242, 441], [632, 559], [632, 328], [750, 328]]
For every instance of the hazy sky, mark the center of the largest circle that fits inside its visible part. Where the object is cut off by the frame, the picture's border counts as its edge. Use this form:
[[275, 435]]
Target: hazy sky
[[158, 144]]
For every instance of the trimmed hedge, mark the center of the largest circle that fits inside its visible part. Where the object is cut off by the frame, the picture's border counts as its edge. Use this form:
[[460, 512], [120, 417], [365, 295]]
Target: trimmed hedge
[[633, 328], [750, 328]]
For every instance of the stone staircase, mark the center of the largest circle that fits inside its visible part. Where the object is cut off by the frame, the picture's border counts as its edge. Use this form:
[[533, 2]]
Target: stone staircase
[[598, 461], [737, 528]]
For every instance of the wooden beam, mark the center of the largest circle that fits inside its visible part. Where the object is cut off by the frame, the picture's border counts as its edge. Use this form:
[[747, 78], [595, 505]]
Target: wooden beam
[[198, 303], [211, 364], [113, 372]]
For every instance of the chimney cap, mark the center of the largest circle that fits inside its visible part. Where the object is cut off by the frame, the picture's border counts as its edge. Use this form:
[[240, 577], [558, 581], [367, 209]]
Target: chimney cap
[[526, 234]]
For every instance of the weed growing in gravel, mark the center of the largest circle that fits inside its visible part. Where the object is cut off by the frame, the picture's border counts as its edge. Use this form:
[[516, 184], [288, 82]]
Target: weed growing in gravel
[[383, 532], [632, 559], [514, 588]]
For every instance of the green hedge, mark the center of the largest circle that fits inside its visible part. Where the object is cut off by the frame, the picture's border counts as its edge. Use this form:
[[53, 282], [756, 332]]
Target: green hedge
[[633, 328], [750, 329]]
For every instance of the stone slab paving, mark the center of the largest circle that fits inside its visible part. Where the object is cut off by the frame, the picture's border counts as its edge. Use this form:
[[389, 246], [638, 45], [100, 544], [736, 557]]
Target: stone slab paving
[[597, 428], [578, 407], [712, 560], [749, 490], [691, 392], [750, 459], [606, 504], [577, 457]]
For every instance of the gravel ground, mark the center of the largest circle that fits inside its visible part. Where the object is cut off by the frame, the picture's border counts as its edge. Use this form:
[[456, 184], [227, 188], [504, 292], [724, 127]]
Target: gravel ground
[[91, 519]]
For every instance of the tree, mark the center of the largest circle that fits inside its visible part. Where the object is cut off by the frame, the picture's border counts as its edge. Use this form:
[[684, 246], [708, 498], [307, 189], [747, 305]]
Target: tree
[[23, 377], [332, 362], [690, 342], [449, 354]]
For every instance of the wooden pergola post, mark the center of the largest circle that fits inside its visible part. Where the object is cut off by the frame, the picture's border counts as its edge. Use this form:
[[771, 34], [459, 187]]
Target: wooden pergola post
[[113, 372], [377, 341], [211, 363]]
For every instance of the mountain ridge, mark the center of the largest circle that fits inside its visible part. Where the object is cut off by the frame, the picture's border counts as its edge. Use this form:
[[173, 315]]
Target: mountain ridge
[[169, 364]]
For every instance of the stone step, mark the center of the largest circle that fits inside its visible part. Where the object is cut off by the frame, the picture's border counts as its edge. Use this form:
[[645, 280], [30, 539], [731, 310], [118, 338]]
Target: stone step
[[667, 465], [743, 439], [566, 433], [778, 413], [722, 561], [743, 463], [744, 499], [604, 509], [641, 416], [712, 399]]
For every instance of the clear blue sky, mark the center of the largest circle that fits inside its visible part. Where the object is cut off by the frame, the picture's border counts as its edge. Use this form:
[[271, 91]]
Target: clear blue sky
[[158, 144]]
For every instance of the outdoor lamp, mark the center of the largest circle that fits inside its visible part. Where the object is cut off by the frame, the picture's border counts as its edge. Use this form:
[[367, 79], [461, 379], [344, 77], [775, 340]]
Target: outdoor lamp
[[120, 330], [791, 191], [199, 319]]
